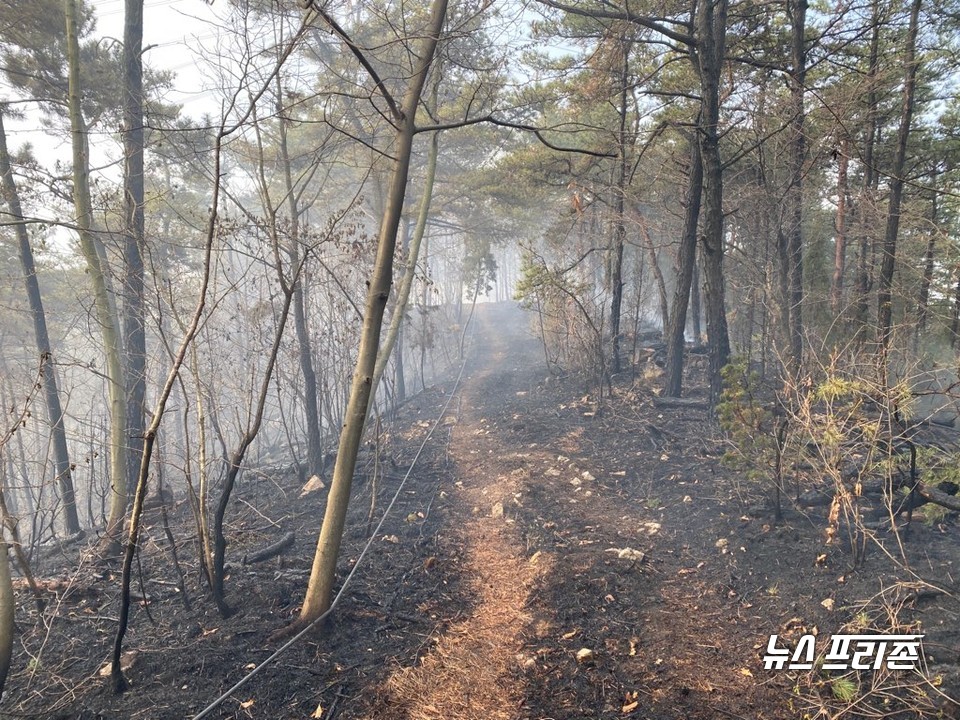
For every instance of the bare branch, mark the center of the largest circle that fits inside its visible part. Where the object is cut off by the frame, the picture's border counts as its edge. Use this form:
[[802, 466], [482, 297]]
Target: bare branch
[[513, 126], [651, 23], [361, 58]]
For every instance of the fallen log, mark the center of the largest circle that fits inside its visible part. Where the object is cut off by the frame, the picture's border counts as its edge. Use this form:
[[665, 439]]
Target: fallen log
[[683, 403], [938, 496], [270, 550]]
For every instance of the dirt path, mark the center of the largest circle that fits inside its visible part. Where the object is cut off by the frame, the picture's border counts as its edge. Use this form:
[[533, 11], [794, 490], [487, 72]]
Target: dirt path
[[567, 620], [470, 671]]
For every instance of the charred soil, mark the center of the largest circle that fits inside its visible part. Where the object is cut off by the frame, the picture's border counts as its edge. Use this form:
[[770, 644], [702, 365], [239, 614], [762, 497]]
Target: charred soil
[[551, 556]]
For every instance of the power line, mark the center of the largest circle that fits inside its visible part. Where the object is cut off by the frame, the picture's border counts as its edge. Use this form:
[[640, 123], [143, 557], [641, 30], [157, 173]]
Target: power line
[[283, 648]]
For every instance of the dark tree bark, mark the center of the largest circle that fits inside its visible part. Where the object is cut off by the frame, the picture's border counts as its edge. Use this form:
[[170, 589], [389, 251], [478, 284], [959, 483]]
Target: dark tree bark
[[271, 550], [955, 321], [710, 29], [686, 265], [923, 298], [619, 232], [888, 261], [798, 75], [870, 178], [133, 312], [61, 457], [840, 227]]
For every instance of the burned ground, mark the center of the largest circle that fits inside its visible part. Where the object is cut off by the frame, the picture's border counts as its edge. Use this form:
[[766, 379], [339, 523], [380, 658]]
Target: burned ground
[[551, 556]]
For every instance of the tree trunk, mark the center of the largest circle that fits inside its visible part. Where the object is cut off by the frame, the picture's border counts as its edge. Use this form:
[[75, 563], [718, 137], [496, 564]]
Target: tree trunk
[[106, 312], [61, 458], [323, 572], [955, 321], [686, 265], [6, 614], [657, 275], [424, 313], [398, 369], [134, 334], [885, 287], [798, 75], [840, 226], [619, 231], [305, 354], [923, 298], [870, 177], [413, 255], [696, 305], [710, 27]]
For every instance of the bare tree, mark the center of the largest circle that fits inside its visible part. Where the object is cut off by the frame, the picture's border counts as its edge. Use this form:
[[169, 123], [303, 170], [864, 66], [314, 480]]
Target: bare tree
[[62, 472], [134, 333], [106, 309], [323, 572]]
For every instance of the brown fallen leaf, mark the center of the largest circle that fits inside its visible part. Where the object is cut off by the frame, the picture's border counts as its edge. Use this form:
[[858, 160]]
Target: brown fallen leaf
[[247, 703], [127, 660], [313, 484], [318, 712]]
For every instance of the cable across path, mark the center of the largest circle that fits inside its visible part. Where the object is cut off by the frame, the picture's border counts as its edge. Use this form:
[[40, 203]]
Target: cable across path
[[333, 605]]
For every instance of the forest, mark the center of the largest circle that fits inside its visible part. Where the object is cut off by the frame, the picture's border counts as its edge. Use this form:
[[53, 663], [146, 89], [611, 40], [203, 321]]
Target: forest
[[460, 359]]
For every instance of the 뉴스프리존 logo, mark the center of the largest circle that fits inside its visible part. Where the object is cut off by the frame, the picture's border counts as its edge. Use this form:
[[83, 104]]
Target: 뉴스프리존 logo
[[847, 652]]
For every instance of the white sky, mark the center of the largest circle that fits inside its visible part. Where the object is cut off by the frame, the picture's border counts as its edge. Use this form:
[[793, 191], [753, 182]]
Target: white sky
[[173, 31]]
